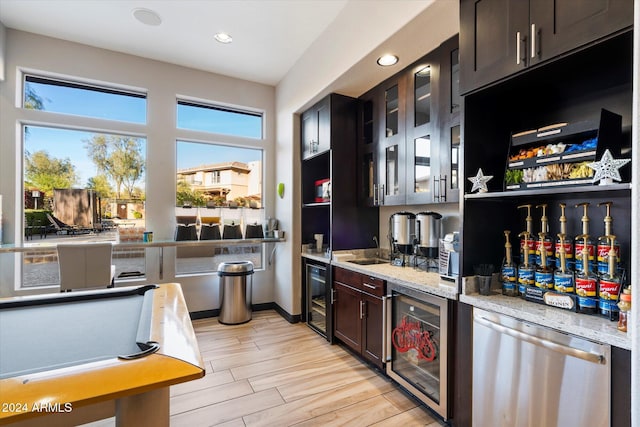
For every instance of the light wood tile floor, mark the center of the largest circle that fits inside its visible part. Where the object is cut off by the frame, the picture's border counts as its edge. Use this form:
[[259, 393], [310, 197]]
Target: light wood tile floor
[[268, 372]]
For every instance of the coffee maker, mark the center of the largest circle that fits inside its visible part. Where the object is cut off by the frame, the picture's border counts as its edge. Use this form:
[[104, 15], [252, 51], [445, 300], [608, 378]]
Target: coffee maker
[[402, 236], [428, 239]]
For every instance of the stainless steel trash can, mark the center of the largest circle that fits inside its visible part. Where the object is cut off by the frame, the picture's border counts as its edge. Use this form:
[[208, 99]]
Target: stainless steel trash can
[[235, 293]]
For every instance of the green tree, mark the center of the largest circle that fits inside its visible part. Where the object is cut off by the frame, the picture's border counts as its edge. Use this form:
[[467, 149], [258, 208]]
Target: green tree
[[46, 173], [101, 185], [32, 101], [120, 158], [186, 195]]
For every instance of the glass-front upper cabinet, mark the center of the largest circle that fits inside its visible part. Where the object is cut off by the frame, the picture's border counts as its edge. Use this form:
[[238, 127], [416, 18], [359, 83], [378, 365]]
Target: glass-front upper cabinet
[[392, 147], [368, 121], [422, 97], [421, 130], [421, 164], [448, 181], [392, 111]]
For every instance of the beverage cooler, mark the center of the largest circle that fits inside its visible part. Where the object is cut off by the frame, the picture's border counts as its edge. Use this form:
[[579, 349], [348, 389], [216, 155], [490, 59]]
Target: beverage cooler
[[317, 301], [417, 348]]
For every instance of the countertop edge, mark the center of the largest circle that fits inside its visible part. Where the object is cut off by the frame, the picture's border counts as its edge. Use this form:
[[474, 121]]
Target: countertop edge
[[432, 284], [591, 327]]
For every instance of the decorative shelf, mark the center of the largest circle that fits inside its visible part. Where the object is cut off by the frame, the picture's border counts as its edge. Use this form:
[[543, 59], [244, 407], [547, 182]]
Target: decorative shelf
[[549, 190]]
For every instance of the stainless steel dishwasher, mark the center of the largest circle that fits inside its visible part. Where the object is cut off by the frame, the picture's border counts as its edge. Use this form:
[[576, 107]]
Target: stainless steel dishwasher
[[529, 375]]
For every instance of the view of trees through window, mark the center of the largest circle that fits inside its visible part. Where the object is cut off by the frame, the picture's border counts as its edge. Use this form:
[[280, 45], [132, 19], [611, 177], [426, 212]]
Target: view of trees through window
[[81, 185], [219, 193]]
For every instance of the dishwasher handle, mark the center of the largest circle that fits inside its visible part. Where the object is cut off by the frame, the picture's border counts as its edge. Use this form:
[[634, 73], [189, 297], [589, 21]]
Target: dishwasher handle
[[559, 348]]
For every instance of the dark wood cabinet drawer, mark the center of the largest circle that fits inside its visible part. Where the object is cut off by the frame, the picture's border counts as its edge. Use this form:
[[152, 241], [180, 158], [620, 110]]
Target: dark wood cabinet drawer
[[348, 277], [373, 285]]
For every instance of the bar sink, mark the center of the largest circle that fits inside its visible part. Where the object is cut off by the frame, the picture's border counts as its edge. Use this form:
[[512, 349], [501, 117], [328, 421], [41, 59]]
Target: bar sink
[[368, 261]]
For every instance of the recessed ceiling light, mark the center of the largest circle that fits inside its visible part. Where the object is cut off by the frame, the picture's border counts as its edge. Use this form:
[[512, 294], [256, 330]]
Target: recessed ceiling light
[[147, 16], [223, 38], [387, 60]]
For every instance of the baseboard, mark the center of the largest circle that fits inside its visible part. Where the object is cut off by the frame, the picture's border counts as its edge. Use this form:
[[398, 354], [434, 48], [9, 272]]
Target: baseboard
[[195, 315], [291, 318]]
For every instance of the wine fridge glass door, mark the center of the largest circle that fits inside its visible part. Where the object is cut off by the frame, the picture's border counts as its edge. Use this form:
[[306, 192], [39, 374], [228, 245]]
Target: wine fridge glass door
[[317, 298], [418, 362]]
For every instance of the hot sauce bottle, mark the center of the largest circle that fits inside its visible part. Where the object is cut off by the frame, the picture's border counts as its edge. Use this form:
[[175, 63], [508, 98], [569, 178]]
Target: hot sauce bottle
[[586, 282], [604, 246], [568, 242], [581, 243], [544, 273], [545, 243], [526, 271], [609, 289], [531, 249], [508, 271], [563, 280]]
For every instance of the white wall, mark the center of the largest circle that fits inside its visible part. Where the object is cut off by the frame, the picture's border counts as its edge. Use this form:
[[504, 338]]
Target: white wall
[[342, 60], [163, 82]]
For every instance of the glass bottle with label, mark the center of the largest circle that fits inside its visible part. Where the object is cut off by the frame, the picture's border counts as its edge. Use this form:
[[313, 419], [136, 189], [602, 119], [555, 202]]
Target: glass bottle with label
[[563, 280], [625, 310], [508, 271], [610, 284], [603, 247], [568, 242], [526, 271], [586, 282], [545, 243], [544, 274], [531, 249], [581, 243]]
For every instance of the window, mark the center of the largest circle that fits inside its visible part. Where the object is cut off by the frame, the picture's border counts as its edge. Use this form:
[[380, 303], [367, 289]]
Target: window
[[80, 99], [217, 119], [81, 185], [226, 204]]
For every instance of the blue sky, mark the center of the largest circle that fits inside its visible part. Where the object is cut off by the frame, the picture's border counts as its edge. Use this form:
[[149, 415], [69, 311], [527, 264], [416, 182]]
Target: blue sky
[[63, 143]]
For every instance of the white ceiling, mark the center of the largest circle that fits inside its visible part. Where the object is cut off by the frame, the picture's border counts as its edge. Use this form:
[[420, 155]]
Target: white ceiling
[[269, 36]]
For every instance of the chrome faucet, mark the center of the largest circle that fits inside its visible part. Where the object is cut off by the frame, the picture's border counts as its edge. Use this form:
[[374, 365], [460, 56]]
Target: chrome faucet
[[375, 239]]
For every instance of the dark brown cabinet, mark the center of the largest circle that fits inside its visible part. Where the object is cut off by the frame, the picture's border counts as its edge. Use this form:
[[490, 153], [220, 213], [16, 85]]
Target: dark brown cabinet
[[316, 129], [347, 321], [391, 144], [409, 133], [358, 313], [336, 215], [502, 37], [368, 188], [448, 181]]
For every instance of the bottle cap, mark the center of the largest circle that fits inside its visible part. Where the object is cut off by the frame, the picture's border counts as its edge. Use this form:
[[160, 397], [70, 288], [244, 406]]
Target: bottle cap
[[625, 295]]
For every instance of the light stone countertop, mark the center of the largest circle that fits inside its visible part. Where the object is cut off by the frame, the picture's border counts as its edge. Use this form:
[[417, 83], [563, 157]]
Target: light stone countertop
[[317, 257], [406, 276], [591, 327]]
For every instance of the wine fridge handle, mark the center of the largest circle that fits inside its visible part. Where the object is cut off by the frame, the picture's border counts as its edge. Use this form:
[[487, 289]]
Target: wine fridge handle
[[386, 330]]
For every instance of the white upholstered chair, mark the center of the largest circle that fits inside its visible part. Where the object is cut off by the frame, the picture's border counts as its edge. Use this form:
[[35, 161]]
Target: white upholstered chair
[[85, 265]]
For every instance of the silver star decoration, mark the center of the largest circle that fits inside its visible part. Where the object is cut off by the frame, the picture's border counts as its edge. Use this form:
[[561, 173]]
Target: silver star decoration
[[607, 168], [480, 181]]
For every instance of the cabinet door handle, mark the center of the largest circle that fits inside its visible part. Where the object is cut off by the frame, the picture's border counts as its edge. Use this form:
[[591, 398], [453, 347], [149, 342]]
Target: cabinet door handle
[[436, 189], [520, 58], [533, 40], [333, 295], [376, 196], [443, 188], [381, 197], [369, 286], [362, 309]]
